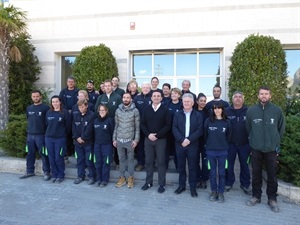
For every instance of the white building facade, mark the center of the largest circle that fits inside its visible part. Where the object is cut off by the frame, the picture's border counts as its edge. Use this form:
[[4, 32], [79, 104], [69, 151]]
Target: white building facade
[[171, 39]]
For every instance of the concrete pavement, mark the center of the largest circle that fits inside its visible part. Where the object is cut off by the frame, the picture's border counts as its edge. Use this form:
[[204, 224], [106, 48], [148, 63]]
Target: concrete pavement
[[33, 201]]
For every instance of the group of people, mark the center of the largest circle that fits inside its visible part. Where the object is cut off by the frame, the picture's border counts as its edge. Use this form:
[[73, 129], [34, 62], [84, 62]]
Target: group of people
[[116, 125]]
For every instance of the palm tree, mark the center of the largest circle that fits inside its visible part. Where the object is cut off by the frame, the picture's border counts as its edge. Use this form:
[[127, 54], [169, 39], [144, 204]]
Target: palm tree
[[12, 24]]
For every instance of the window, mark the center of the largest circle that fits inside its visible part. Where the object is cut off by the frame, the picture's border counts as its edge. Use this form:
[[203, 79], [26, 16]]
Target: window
[[201, 67], [66, 68], [293, 67]]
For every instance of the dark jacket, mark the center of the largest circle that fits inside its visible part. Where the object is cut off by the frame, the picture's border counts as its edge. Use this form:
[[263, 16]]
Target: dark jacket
[[79, 125], [265, 126], [93, 96], [101, 129], [196, 127], [58, 123], [112, 103], [68, 97], [158, 122], [217, 134], [141, 101], [237, 118], [36, 118]]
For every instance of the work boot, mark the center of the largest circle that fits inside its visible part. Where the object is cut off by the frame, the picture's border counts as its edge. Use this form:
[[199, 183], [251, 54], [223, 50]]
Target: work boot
[[121, 182]]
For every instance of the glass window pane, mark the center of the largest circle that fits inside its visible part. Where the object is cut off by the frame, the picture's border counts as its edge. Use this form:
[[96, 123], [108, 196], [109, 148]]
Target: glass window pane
[[206, 86], [141, 80], [164, 65], [209, 64], [186, 64], [67, 63], [169, 81], [293, 64], [142, 65]]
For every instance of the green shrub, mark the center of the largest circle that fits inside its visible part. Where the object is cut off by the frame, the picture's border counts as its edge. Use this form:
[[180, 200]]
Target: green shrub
[[95, 63], [289, 159], [13, 138], [293, 102], [259, 61], [22, 75]]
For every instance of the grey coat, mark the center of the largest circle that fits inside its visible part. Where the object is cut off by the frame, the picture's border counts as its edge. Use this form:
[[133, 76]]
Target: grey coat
[[127, 123]]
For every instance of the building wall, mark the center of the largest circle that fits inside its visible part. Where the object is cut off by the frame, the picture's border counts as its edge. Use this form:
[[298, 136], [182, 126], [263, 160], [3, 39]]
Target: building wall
[[64, 27]]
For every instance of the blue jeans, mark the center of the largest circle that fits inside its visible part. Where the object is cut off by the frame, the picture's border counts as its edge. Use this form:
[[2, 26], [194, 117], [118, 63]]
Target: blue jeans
[[216, 165], [103, 156], [36, 143], [243, 152]]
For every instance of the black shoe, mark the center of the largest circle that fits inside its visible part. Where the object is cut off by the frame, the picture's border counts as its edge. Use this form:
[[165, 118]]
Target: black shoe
[[203, 185], [103, 184], [26, 175], [53, 180], [213, 196], [221, 198], [91, 182], [47, 176], [273, 205], [194, 193], [59, 180], [198, 185], [161, 189], [99, 183], [146, 186], [253, 201], [78, 180], [247, 190], [179, 190], [227, 188]]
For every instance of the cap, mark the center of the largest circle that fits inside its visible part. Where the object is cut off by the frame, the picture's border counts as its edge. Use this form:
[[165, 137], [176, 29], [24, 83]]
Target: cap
[[90, 81]]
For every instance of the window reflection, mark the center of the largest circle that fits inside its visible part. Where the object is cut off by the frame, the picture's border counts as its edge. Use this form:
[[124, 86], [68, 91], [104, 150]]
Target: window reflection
[[67, 63], [293, 67], [142, 65], [186, 64], [193, 84], [209, 63], [206, 86], [164, 65]]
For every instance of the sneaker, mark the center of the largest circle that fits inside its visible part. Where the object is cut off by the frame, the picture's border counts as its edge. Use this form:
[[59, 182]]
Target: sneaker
[[213, 196], [26, 175], [146, 186], [47, 176], [130, 182], [59, 180], [273, 205], [247, 190], [91, 181], [227, 188], [78, 180], [253, 201], [139, 168], [161, 189], [103, 184], [221, 198], [121, 182]]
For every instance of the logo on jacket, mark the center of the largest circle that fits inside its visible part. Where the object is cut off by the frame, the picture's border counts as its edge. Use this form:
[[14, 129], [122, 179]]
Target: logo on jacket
[[224, 129], [59, 119], [272, 121], [105, 127], [85, 123], [40, 113], [149, 102], [114, 103], [257, 120], [77, 123]]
